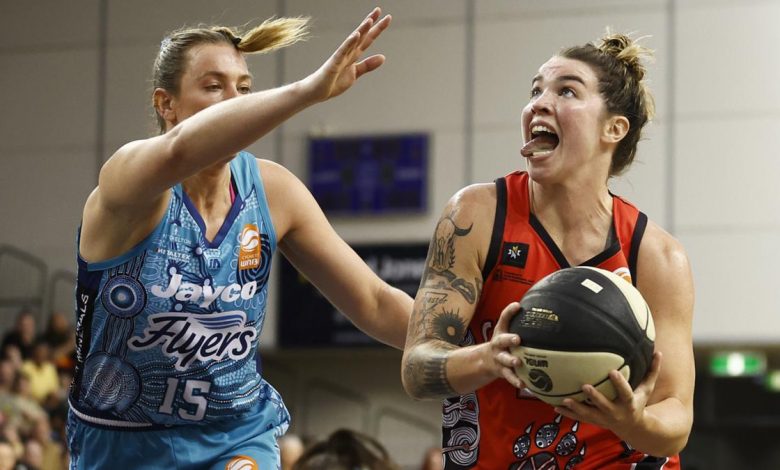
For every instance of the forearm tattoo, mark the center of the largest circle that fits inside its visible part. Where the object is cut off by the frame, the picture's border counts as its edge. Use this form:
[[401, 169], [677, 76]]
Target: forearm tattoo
[[426, 373]]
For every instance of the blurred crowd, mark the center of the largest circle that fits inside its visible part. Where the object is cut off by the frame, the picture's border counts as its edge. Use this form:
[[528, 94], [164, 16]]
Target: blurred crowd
[[35, 373]]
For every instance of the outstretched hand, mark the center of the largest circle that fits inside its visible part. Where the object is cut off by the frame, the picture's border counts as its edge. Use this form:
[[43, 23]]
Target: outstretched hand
[[622, 414], [344, 67]]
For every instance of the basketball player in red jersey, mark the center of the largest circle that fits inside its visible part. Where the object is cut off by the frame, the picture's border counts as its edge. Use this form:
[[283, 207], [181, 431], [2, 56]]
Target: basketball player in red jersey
[[587, 107]]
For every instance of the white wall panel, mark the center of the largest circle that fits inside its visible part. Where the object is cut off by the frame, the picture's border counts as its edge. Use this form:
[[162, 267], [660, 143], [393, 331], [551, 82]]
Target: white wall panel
[[737, 298], [350, 12], [145, 21], [727, 174], [48, 25], [734, 70], [558, 8], [416, 89], [41, 202], [48, 99]]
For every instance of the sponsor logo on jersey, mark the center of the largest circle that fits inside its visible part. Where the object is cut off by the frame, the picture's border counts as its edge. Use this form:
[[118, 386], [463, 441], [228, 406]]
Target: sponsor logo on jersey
[[625, 273], [206, 294], [514, 254], [188, 337], [249, 253], [241, 462]]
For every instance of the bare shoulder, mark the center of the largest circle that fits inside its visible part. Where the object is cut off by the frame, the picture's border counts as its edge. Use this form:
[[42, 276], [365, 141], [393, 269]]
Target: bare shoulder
[[289, 201], [474, 203], [664, 274], [660, 252]]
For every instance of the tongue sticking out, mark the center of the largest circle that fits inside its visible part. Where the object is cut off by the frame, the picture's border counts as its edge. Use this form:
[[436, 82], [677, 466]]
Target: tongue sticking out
[[542, 143]]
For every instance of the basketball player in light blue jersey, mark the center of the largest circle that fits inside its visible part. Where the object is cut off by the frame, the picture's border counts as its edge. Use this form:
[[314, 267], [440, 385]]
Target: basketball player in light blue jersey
[[175, 249]]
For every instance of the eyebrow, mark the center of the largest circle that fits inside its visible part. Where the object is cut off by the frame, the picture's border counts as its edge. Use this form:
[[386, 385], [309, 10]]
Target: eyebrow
[[562, 78], [217, 74]]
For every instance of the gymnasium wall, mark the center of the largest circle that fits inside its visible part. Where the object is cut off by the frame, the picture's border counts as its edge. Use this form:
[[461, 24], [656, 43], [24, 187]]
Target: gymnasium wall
[[75, 85]]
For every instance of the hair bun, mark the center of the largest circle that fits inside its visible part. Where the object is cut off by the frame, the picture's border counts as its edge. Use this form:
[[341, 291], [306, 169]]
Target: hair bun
[[626, 50]]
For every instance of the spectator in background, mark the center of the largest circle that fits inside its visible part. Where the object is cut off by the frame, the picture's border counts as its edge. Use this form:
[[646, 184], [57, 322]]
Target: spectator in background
[[53, 456], [41, 372], [432, 460], [23, 333], [346, 450], [17, 410], [7, 456], [26, 409], [290, 450], [60, 336], [32, 459]]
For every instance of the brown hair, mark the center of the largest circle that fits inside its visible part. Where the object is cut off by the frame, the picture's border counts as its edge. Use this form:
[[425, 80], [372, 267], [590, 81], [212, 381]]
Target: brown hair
[[346, 450], [617, 61], [171, 60]]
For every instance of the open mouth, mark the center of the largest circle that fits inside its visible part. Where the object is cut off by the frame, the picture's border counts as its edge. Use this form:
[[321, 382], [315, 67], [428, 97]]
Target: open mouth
[[543, 142]]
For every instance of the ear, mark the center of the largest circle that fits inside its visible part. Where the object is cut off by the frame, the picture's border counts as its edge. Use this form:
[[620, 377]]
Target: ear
[[615, 128], [164, 104]]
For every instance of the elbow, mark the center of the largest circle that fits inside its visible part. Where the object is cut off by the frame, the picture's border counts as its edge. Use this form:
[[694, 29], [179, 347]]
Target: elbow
[[678, 444], [407, 377], [668, 447], [411, 363]]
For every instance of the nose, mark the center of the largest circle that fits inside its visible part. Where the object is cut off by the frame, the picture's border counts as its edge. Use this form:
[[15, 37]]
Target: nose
[[542, 104], [231, 92]]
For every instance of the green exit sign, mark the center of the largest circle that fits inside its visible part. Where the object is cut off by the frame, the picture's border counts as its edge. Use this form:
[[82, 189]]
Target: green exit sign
[[738, 364]]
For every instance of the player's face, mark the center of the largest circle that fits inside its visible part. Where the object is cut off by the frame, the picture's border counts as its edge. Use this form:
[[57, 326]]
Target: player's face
[[563, 122], [214, 73]]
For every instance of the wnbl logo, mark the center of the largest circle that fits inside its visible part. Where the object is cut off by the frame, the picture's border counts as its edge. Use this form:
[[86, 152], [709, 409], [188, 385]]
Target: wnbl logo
[[191, 336]]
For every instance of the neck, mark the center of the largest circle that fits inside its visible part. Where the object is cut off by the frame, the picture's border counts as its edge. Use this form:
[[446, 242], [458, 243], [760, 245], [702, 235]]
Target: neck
[[209, 187], [581, 206]]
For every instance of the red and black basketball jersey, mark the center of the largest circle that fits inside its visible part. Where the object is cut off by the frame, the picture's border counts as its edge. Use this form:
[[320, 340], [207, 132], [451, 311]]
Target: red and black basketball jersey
[[499, 427]]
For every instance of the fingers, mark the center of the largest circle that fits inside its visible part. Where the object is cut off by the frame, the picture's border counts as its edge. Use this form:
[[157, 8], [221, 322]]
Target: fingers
[[598, 399], [621, 385], [655, 367], [573, 409], [346, 48], [365, 26], [371, 34], [506, 316], [368, 64], [507, 360], [349, 44], [509, 376], [504, 340]]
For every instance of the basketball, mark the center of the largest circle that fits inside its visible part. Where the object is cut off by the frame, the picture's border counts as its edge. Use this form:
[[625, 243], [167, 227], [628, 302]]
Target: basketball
[[576, 325]]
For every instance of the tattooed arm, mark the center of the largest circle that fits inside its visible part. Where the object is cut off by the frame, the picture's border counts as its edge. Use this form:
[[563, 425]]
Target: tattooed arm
[[434, 366]]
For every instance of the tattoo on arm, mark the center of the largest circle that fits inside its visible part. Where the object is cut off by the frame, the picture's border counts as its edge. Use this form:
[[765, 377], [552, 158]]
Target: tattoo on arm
[[428, 374], [441, 258], [436, 327], [441, 329]]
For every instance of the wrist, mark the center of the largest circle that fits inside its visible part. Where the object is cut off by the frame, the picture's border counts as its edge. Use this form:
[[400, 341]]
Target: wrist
[[307, 90]]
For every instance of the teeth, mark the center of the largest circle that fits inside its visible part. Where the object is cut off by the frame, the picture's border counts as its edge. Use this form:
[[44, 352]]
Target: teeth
[[535, 130], [541, 153]]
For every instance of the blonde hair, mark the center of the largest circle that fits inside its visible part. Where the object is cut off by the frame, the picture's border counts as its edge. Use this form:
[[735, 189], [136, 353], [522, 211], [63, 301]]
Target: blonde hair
[[617, 60], [171, 60]]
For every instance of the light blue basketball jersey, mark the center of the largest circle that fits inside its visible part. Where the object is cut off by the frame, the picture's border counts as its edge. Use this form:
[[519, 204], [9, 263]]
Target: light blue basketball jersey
[[167, 334]]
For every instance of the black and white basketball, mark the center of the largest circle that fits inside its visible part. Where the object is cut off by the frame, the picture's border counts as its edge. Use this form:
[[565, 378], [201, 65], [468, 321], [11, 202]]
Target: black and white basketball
[[576, 325]]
